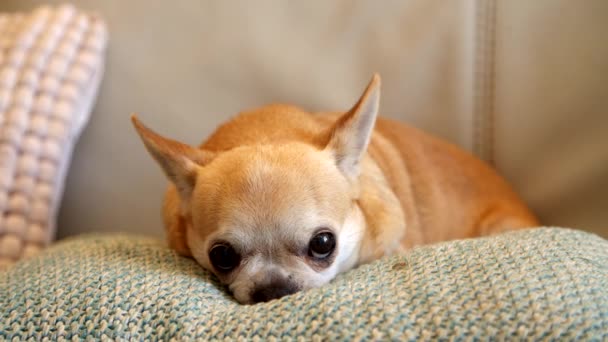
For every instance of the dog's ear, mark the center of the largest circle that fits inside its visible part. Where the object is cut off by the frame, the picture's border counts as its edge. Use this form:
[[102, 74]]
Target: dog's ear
[[179, 162], [350, 135]]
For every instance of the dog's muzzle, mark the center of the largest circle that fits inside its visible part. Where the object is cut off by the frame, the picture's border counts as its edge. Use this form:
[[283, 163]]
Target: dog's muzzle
[[273, 290]]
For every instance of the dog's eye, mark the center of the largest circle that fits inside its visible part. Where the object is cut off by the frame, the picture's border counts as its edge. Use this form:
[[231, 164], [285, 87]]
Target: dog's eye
[[321, 245], [224, 258]]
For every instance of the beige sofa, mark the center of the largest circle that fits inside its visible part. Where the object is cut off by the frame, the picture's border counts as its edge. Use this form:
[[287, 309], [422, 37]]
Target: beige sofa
[[523, 84]]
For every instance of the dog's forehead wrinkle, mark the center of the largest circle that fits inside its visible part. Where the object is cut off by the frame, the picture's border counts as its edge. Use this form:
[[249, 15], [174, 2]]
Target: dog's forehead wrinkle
[[268, 239], [268, 182], [273, 196]]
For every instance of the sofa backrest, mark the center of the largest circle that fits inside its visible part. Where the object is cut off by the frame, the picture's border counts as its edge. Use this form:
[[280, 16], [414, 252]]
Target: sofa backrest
[[523, 84]]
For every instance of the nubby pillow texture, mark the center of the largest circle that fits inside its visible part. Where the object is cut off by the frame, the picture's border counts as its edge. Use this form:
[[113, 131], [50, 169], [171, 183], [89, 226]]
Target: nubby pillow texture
[[51, 62], [540, 284]]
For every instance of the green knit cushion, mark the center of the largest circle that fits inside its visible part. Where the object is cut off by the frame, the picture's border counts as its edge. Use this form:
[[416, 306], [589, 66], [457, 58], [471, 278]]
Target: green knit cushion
[[539, 284]]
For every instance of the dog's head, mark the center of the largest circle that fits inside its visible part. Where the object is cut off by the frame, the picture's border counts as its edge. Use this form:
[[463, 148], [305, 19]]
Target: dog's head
[[272, 219]]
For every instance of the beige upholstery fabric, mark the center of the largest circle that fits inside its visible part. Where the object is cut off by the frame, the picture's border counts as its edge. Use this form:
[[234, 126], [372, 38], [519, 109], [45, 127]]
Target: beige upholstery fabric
[[50, 66], [551, 107], [521, 83]]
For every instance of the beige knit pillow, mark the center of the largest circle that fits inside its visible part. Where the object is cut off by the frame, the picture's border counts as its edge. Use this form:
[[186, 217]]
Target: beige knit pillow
[[51, 61]]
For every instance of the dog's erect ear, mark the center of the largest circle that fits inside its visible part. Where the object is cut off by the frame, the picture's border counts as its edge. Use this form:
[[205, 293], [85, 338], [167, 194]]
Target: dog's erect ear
[[179, 161], [350, 135]]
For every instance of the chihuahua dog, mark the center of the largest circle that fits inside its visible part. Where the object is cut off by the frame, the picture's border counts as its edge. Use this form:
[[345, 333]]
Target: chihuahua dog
[[279, 200]]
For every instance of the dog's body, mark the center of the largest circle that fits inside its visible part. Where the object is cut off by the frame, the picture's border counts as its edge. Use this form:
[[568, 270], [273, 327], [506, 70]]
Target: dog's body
[[268, 179]]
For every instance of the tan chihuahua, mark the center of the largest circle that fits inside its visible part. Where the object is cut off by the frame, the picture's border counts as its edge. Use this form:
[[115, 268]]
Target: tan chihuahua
[[279, 200]]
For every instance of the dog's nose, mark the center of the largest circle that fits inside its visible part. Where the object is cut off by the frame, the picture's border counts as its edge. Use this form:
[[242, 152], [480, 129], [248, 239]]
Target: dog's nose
[[274, 290]]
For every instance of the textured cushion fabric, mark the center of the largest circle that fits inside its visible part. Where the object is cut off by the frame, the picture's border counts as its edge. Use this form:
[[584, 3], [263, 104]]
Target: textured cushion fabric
[[50, 67], [543, 284]]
